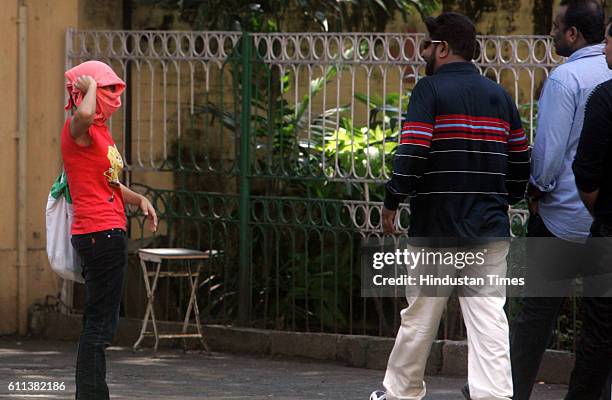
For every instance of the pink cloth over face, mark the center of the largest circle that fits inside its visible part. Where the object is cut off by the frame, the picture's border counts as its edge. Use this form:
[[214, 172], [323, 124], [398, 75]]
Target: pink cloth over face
[[107, 101]]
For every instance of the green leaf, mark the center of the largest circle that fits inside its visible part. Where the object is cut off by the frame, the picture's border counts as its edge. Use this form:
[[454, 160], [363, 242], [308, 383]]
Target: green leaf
[[393, 99], [390, 147], [378, 133], [424, 7], [372, 101], [382, 5]]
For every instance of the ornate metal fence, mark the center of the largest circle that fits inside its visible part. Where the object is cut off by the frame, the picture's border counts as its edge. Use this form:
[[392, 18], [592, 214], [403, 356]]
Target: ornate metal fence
[[272, 149]]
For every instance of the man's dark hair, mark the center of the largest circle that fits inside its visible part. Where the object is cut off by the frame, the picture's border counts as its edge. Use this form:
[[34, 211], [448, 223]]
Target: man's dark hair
[[455, 29], [609, 24], [587, 16]]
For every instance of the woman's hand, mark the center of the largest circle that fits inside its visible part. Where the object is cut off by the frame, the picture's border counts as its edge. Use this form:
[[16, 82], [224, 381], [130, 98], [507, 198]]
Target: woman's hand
[[149, 212], [136, 199], [84, 83]]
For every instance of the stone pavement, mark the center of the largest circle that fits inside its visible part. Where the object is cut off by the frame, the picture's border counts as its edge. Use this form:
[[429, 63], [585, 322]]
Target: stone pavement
[[175, 375]]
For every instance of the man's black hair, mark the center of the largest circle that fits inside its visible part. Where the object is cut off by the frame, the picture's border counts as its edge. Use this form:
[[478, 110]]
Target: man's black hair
[[455, 29], [587, 16], [609, 23]]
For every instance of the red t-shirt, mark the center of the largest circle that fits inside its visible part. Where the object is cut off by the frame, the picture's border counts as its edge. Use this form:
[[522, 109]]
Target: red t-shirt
[[93, 177]]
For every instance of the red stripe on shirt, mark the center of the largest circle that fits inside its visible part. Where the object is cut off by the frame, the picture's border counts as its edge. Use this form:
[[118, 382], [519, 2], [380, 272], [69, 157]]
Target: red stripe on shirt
[[466, 129], [416, 135], [464, 135], [463, 117], [515, 145], [415, 141], [418, 125], [410, 136], [517, 142], [518, 148]]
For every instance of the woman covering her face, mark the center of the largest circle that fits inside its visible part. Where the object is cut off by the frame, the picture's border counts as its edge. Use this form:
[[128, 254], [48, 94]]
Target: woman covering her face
[[93, 166]]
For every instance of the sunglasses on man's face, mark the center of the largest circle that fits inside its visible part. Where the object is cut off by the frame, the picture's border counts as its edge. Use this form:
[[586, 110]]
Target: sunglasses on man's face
[[426, 43]]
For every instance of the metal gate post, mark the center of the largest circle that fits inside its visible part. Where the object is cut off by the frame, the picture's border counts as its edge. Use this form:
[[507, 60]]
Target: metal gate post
[[244, 294]]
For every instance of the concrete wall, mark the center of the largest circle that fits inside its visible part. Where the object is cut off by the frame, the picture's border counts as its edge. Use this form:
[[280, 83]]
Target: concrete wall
[[46, 24], [8, 125]]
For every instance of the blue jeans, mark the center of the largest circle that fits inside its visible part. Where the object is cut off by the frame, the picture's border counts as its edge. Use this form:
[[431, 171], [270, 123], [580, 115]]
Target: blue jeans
[[104, 260]]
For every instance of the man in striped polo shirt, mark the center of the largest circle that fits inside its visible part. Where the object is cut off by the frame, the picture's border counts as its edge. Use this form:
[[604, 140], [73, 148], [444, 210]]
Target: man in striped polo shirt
[[463, 156]]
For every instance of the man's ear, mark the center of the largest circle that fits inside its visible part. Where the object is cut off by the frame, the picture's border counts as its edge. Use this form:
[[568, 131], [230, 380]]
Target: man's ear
[[445, 50], [574, 34]]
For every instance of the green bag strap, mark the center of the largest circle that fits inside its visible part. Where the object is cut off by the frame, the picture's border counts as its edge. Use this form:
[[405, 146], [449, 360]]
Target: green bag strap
[[60, 187]]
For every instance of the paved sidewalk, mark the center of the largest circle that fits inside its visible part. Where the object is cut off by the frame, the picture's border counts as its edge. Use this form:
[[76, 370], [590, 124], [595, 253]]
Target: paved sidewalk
[[174, 375]]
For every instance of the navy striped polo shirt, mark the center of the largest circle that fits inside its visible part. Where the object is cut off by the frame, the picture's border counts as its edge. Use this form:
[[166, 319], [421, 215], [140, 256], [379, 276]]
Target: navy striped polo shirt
[[463, 156]]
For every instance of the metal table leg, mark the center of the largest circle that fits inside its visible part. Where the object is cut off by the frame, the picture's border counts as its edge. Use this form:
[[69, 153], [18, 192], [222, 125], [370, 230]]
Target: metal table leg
[[150, 312]]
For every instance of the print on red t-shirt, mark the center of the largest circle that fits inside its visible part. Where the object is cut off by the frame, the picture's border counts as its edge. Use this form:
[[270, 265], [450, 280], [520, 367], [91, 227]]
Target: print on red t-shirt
[[93, 177]]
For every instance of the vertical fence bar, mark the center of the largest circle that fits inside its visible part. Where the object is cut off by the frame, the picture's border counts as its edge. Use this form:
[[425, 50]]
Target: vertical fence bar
[[244, 306], [127, 109]]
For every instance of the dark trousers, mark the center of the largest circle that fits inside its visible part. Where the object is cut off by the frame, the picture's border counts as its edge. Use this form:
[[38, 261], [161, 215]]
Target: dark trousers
[[607, 392], [104, 259], [592, 374], [532, 329]]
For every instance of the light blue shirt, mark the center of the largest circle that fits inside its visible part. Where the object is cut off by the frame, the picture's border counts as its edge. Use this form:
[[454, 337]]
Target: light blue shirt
[[560, 119]]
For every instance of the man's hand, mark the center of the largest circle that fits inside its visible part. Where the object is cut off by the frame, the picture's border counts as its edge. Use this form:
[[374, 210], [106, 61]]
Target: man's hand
[[388, 220], [533, 198], [589, 200], [534, 206], [84, 83], [147, 209]]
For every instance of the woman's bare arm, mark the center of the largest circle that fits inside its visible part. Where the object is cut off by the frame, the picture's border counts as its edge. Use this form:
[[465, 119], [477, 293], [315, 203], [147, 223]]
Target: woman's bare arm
[[86, 111], [133, 198]]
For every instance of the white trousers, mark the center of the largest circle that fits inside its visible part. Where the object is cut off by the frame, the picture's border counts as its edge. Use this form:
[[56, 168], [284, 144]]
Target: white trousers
[[489, 370]]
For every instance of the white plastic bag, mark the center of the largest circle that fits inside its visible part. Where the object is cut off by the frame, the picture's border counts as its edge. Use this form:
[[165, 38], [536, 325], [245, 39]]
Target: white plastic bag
[[62, 256]]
